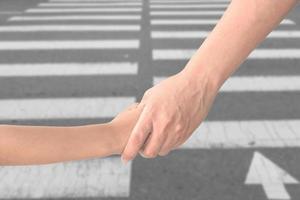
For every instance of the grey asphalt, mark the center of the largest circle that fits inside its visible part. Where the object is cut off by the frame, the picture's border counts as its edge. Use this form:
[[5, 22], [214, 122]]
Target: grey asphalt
[[210, 174]]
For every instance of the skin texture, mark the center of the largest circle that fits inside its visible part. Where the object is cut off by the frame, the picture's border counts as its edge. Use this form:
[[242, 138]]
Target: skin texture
[[33, 145], [174, 108]]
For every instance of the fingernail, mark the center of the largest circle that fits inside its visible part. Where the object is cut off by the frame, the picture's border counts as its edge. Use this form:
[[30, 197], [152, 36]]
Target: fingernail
[[142, 154], [124, 161]]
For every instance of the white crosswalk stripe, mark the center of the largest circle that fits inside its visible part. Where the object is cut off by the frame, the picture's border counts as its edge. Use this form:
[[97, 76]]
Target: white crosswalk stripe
[[86, 178], [245, 134], [10, 12], [186, 13], [82, 10], [68, 44], [184, 2], [83, 1], [77, 18], [88, 4], [63, 108], [189, 6], [181, 54], [185, 22], [66, 27], [67, 69], [204, 34], [255, 83]]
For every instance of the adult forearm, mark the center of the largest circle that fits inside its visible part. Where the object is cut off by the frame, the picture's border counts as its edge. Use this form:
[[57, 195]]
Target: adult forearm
[[243, 26], [22, 145]]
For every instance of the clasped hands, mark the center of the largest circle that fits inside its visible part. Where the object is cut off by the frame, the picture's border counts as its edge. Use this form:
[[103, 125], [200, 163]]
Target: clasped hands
[[167, 115]]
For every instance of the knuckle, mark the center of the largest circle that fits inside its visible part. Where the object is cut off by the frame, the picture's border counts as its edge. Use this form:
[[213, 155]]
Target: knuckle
[[161, 122], [179, 127], [163, 116]]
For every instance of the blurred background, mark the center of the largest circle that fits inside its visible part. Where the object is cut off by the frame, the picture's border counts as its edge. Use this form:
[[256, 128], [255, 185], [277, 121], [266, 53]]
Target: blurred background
[[75, 62]]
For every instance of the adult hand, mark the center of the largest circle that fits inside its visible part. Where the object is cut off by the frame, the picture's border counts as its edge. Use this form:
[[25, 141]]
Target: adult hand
[[171, 111]]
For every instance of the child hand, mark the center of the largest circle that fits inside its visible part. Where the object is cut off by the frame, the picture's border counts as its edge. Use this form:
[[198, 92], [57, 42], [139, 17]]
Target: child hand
[[124, 122], [128, 115]]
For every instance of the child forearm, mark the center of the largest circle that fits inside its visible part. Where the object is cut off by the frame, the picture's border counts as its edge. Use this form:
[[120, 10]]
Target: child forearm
[[31, 145], [22, 145]]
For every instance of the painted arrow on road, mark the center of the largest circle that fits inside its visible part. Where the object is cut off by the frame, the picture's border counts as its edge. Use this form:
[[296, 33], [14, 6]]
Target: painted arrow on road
[[263, 171]]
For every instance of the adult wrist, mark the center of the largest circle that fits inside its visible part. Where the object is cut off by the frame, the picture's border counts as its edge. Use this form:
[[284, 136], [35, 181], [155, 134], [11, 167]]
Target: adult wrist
[[198, 73]]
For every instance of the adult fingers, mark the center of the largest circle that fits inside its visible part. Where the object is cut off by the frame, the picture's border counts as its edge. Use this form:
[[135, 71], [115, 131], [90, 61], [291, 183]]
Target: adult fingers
[[153, 145], [164, 153], [138, 136], [166, 147]]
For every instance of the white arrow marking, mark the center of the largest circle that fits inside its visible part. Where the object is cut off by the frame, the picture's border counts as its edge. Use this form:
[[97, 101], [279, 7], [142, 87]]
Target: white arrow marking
[[263, 171]]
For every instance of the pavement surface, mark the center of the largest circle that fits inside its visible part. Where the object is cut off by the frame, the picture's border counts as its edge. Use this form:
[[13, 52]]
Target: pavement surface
[[75, 62]]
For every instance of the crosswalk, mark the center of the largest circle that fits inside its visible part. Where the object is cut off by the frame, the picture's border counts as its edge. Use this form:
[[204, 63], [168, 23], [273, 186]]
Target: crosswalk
[[176, 29], [79, 61], [204, 34], [117, 25], [69, 44], [73, 28], [257, 83], [79, 17], [67, 69]]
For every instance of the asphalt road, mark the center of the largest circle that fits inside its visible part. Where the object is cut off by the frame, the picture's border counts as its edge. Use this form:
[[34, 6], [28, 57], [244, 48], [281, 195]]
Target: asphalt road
[[74, 62]]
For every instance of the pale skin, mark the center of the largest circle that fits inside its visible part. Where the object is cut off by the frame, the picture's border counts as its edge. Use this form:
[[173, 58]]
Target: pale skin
[[175, 107], [36, 145]]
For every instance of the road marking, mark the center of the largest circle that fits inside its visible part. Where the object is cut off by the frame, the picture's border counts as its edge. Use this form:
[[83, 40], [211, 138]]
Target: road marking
[[189, 6], [63, 108], [272, 178], [68, 44], [179, 34], [284, 34], [81, 10], [89, 4], [75, 18], [204, 34], [105, 177], [66, 27], [184, 21], [255, 83], [275, 54], [67, 69], [262, 83], [200, 22], [245, 134], [188, 1], [188, 13], [10, 12], [83, 1], [182, 54]]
